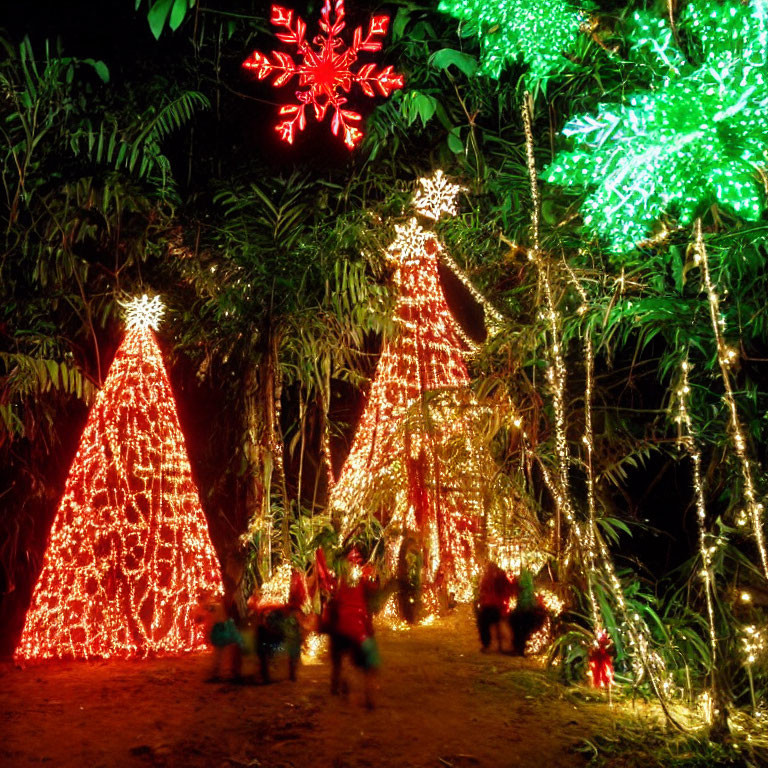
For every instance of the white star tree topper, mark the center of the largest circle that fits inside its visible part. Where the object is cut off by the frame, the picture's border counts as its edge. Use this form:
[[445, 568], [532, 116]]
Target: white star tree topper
[[143, 312], [437, 196]]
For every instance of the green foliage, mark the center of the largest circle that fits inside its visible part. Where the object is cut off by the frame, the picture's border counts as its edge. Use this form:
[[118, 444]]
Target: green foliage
[[691, 140], [278, 290], [138, 149], [166, 12], [538, 32]]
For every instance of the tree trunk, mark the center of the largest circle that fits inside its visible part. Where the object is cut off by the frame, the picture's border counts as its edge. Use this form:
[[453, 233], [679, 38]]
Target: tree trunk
[[263, 446], [273, 391], [257, 473]]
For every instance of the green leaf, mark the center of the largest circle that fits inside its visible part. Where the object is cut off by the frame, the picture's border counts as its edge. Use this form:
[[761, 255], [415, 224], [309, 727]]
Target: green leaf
[[446, 57], [425, 106], [677, 267], [158, 15], [549, 212], [455, 144], [177, 14], [400, 23], [101, 69]]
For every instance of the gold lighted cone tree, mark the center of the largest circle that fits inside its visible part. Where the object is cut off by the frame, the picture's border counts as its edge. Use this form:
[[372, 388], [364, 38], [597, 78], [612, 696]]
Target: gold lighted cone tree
[[129, 555], [415, 463]]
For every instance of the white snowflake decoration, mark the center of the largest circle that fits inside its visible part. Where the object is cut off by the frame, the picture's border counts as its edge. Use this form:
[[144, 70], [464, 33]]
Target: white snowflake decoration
[[143, 312], [437, 196], [410, 243]]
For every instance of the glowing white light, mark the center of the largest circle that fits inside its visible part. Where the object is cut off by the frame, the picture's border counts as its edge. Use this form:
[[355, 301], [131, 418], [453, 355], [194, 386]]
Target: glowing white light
[[277, 589], [143, 312], [437, 196]]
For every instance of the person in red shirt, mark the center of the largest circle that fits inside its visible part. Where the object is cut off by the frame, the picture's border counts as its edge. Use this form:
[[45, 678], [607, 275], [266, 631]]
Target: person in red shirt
[[493, 604], [350, 625]]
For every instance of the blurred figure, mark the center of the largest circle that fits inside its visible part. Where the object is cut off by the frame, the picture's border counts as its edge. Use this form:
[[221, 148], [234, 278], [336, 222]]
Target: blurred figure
[[321, 582], [280, 627], [222, 633], [348, 622], [528, 615], [493, 604]]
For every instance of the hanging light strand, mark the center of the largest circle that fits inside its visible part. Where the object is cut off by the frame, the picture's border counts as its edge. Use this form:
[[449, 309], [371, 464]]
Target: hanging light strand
[[688, 441], [725, 358], [556, 373], [490, 311], [588, 441]]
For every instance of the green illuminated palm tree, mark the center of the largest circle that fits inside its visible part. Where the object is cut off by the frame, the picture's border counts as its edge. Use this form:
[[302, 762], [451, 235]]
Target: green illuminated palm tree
[[695, 138], [538, 32]]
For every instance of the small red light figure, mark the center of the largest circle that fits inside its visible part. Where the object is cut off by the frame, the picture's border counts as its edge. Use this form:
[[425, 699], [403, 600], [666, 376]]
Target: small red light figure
[[601, 660], [325, 72]]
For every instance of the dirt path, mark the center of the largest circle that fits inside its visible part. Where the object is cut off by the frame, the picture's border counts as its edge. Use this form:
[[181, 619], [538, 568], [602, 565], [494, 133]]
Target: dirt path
[[441, 704]]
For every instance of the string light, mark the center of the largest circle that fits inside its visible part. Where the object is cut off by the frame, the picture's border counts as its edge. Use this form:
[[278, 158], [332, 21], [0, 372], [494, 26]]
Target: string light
[[556, 373], [637, 633], [437, 196], [692, 140], [143, 312], [129, 556], [754, 646], [588, 442], [275, 591], [315, 647], [325, 72], [413, 461], [706, 706], [725, 358], [705, 550], [754, 643], [537, 31]]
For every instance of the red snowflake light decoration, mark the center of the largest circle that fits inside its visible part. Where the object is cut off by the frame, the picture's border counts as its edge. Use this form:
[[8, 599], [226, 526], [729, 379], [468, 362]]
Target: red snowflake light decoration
[[325, 72]]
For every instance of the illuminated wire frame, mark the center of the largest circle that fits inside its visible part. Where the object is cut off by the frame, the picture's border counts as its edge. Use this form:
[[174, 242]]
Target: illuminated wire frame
[[325, 71], [413, 462], [129, 556], [143, 312], [537, 31], [437, 196], [419, 464], [695, 137]]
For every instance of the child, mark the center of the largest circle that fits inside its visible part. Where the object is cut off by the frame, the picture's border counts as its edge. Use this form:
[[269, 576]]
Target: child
[[350, 625], [222, 633], [280, 627], [529, 614]]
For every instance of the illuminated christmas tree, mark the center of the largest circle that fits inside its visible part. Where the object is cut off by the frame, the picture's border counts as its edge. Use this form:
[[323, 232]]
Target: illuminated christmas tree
[[413, 464], [129, 555]]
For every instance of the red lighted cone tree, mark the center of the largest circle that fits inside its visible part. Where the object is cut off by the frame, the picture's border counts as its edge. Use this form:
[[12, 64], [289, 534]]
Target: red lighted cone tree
[[129, 554], [412, 463]]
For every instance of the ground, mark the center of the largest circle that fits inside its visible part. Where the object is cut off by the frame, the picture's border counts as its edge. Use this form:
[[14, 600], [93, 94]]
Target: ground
[[441, 703]]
